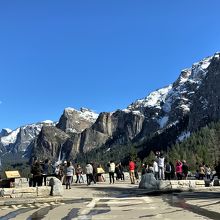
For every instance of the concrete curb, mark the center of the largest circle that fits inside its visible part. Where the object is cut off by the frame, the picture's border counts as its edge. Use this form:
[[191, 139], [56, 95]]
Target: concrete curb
[[167, 191], [20, 201]]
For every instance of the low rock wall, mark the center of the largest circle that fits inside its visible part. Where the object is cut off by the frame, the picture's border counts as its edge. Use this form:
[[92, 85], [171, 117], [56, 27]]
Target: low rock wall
[[180, 184], [149, 182], [21, 190], [25, 192], [187, 184]]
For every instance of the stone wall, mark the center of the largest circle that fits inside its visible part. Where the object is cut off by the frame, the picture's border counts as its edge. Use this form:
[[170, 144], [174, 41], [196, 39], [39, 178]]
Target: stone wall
[[25, 192], [149, 182], [21, 189]]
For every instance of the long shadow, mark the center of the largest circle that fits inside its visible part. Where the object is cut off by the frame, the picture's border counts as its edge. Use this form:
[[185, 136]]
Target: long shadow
[[179, 200], [200, 195]]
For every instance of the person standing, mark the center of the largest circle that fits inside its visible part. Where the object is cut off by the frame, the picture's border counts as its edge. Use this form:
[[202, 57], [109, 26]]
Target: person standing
[[161, 166], [37, 172], [172, 174], [201, 171], [79, 173], [185, 170], [131, 171], [122, 171], [94, 166], [155, 169], [89, 173], [179, 170], [118, 172], [208, 172], [167, 171], [45, 167], [111, 172], [69, 171]]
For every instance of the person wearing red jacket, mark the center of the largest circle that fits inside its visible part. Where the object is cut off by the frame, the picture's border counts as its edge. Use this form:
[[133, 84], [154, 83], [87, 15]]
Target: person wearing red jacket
[[131, 171], [179, 170]]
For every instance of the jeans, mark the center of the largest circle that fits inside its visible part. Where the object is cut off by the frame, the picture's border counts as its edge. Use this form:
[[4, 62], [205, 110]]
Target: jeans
[[111, 177], [161, 173]]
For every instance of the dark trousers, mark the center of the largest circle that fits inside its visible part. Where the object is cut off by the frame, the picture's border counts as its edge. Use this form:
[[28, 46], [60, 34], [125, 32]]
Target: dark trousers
[[179, 176], [89, 178], [122, 176], [68, 181], [111, 177], [167, 176], [94, 177], [37, 181]]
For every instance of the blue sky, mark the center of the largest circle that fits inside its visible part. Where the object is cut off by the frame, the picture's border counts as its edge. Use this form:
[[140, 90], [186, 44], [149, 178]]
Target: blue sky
[[97, 54]]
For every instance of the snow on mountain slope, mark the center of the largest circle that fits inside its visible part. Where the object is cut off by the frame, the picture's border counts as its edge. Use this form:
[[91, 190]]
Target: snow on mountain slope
[[195, 74], [10, 138], [21, 137], [75, 121], [84, 113], [176, 96], [154, 99]]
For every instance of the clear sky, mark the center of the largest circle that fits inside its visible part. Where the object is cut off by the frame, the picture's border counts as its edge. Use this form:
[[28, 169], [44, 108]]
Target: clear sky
[[100, 54]]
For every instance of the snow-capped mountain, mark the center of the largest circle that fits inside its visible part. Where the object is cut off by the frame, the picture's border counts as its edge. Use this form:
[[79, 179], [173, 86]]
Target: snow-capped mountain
[[163, 117], [171, 112], [175, 100], [20, 138], [71, 121]]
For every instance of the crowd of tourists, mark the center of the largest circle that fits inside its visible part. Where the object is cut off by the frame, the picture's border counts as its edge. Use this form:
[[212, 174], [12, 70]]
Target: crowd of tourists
[[65, 172], [161, 168], [180, 170]]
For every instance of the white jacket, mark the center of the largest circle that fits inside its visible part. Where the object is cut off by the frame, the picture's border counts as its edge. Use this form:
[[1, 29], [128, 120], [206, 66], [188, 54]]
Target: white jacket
[[112, 167], [155, 166]]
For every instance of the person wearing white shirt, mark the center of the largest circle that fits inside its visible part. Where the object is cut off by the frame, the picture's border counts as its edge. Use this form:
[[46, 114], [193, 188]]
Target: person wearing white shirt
[[155, 169], [161, 167]]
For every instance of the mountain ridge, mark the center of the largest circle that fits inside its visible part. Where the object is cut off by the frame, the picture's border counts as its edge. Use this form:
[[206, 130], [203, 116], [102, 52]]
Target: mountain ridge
[[186, 99]]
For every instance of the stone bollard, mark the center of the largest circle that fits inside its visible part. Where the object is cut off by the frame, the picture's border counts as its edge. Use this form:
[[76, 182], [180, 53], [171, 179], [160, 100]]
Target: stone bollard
[[149, 182], [56, 187]]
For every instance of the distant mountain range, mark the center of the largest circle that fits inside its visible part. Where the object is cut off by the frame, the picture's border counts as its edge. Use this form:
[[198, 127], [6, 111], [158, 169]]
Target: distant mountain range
[[160, 119]]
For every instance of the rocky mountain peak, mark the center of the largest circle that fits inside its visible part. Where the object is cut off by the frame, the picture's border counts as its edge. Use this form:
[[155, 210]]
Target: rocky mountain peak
[[75, 121], [5, 132]]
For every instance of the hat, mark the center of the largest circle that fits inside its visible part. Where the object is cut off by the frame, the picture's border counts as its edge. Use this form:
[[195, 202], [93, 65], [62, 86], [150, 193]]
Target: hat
[[65, 161]]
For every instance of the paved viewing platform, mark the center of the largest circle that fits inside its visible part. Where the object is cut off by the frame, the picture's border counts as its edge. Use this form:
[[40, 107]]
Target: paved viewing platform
[[114, 201]]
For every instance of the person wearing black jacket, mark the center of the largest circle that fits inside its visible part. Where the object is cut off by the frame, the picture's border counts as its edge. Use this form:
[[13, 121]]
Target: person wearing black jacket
[[37, 171]]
